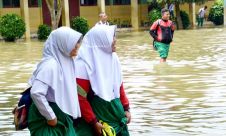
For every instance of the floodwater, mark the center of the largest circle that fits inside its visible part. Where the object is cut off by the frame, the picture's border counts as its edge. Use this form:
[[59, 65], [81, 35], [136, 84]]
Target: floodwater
[[184, 97]]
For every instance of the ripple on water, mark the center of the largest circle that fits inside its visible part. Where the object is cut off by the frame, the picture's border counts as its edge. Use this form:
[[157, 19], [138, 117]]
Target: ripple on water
[[185, 96]]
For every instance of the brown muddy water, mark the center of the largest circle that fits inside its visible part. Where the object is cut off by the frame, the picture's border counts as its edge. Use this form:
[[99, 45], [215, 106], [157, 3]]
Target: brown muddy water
[[184, 97]]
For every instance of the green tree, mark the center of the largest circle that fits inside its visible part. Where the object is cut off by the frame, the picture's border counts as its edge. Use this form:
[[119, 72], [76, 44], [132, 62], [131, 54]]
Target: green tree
[[177, 7], [154, 15], [216, 13]]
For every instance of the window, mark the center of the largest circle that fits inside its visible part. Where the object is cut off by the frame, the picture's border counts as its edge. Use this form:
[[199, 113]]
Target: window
[[121, 2], [33, 3], [108, 2], [11, 3], [16, 3], [88, 2], [142, 1], [117, 2]]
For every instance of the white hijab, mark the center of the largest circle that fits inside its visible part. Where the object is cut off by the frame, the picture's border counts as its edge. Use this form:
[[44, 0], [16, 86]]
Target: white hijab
[[102, 65], [60, 77]]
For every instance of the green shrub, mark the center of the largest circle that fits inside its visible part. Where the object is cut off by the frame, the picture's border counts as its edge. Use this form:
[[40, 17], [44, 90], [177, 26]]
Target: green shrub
[[153, 4], [117, 21], [153, 15], [111, 22], [219, 2], [185, 19], [80, 24], [216, 13], [12, 27], [43, 32]]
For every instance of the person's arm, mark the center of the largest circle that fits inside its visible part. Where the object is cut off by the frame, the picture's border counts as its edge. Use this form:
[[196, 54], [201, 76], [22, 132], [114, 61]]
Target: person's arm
[[123, 98], [38, 92], [200, 11], [170, 7], [86, 109], [173, 27], [153, 30], [125, 102]]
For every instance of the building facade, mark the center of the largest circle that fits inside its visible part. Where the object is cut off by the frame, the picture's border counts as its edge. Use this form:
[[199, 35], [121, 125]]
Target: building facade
[[123, 12]]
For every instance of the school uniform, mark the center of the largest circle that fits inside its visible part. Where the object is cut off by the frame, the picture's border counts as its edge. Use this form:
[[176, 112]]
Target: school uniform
[[99, 79], [54, 91]]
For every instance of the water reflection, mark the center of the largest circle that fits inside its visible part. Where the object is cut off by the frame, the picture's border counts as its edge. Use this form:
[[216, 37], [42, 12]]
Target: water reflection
[[185, 96]]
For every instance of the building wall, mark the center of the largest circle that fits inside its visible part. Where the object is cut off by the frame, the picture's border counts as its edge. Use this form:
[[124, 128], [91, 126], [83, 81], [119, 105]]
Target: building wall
[[74, 8], [122, 13], [143, 13], [115, 13], [46, 14], [119, 13], [34, 13], [209, 4], [90, 13], [9, 11]]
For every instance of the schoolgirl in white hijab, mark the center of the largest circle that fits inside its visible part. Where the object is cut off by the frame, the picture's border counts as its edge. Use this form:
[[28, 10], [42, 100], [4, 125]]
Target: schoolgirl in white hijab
[[54, 78], [103, 66], [98, 64]]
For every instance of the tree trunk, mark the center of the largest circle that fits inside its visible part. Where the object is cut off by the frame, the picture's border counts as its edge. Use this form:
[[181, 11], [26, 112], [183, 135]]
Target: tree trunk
[[59, 12], [54, 13], [179, 21]]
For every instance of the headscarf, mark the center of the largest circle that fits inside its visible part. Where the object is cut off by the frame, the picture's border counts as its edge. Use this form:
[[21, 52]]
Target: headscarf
[[57, 69], [102, 65]]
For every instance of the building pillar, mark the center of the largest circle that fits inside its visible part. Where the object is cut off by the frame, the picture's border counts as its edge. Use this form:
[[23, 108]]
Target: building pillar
[[1, 6], [101, 5], [224, 12], [134, 14], [25, 15], [65, 14], [40, 10], [192, 15], [1, 3]]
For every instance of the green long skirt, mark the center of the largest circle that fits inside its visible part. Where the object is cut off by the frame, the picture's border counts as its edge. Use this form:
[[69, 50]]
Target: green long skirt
[[109, 112], [38, 126]]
